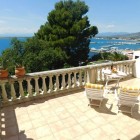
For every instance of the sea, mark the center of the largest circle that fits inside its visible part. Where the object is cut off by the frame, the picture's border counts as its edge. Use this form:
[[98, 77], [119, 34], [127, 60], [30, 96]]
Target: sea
[[96, 43], [5, 42]]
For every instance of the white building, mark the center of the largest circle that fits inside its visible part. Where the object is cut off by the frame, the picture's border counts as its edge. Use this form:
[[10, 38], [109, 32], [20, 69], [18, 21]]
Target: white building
[[136, 54]]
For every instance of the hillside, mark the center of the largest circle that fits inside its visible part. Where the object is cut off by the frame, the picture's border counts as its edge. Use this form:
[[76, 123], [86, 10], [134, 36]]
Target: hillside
[[123, 35]]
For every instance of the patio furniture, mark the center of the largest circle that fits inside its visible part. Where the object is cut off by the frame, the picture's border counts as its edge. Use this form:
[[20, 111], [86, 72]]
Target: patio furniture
[[94, 92], [113, 76], [128, 96]]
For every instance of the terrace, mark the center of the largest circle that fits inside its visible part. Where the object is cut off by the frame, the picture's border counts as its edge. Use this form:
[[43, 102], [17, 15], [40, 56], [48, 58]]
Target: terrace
[[51, 105]]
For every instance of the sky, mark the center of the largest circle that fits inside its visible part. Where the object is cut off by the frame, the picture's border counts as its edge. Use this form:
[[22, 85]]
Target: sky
[[24, 17]]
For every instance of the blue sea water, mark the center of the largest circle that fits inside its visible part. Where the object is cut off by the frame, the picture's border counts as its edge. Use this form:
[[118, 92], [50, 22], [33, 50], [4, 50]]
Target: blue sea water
[[120, 44], [5, 42], [95, 43]]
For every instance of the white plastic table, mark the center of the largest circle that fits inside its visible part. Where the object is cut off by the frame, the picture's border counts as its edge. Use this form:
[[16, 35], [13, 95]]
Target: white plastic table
[[110, 76]]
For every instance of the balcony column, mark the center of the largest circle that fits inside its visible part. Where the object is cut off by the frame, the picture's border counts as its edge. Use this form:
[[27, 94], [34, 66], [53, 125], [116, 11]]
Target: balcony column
[[74, 84], [136, 68], [63, 81], [44, 84], [50, 84], [129, 68], [133, 69], [21, 91], [69, 80], [57, 83], [36, 86], [29, 88], [80, 78], [4, 94], [91, 75], [13, 93]]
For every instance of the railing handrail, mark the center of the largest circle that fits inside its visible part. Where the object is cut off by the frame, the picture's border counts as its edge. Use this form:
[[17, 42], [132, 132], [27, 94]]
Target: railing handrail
[[64, 70], [51, 82]]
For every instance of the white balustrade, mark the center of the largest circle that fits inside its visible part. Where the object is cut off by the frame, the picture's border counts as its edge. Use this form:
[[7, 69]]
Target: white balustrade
[[13, 93], [44, 85], [69, 80], [56, 81], [36, 86], [4, 94], [63, 82], [21, 91], [29, 87], [80, 78]]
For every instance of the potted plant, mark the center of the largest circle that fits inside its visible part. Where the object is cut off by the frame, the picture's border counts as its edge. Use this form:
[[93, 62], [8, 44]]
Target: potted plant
[[3, 70], [19, 70]]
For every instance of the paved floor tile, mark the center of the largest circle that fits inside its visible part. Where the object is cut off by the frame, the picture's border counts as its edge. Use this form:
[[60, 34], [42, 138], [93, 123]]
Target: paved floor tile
[[43, 131], [68, 117]]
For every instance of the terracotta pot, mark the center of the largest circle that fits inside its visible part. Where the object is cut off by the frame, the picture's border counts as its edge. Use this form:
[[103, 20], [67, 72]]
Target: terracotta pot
[[3, 73], [19, 72]]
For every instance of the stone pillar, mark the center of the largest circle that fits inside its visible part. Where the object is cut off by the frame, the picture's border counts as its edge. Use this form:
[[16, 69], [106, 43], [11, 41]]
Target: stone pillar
[[4, 93], [50, 84], [44, 85], [36, 86], [136, 68], [57, 82], [13, 93], [91, 75], [63, 81], [29, 88], [21, 91]]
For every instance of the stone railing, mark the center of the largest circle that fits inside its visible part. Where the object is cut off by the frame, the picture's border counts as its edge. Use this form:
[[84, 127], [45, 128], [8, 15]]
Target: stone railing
[[40, 84]]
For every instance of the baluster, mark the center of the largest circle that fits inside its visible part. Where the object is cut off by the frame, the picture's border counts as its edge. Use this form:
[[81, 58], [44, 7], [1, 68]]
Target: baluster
[[44, 84], [50, 84], [97, 72], [57, 83], [36, 86], [95, 69], [21, 91], [13, 93], [119, 67], [129, 68], [74, 82], [80, 78], [4, 94], [63, 81], [29, 88], [103, 76], [85, 77], [100, 72], [69, 80], [126, 68]]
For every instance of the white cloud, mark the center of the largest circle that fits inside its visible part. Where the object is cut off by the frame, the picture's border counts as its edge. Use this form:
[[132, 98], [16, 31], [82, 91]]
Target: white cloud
[[9, 30], [17, 25], [106, 27], [10, 19], [110, 26]]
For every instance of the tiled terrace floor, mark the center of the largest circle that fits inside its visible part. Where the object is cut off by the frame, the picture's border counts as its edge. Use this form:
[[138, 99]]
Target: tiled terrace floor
[[69, 117]]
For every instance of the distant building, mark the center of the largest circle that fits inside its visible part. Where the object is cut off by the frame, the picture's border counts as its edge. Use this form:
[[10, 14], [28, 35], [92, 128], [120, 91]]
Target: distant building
[[128, 53], [136, 54]]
